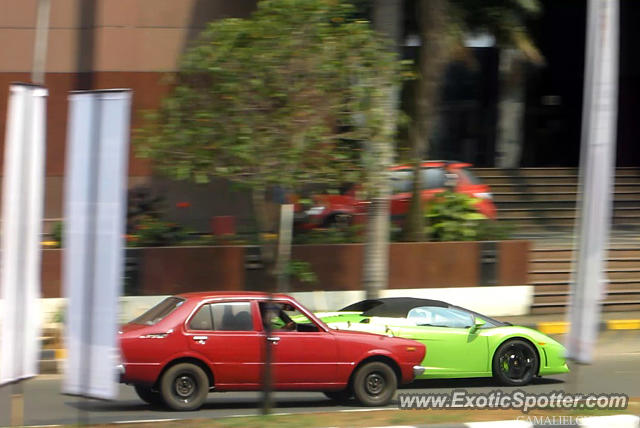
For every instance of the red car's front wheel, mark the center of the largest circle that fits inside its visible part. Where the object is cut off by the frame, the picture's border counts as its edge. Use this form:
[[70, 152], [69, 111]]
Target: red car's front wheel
[[374, 384]]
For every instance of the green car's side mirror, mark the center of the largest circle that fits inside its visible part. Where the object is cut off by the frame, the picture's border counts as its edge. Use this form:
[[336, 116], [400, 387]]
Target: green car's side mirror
[[477, 323]]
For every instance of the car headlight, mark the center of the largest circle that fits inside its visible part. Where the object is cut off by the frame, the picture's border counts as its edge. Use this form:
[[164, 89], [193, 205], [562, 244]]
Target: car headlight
[[317, 210]]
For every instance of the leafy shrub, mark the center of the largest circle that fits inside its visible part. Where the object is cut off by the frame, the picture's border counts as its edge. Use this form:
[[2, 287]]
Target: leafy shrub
[[453, 217], [301, 271], [56, 233], [150, 232]]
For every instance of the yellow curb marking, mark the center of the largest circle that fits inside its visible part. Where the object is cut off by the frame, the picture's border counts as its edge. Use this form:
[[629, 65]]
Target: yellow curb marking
[[623, 324], [553, 327]]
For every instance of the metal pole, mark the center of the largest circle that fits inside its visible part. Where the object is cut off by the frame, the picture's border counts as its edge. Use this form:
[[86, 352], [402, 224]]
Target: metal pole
[[17, 397], [284, 246], [597, 166], [40, 46], [267, 375]]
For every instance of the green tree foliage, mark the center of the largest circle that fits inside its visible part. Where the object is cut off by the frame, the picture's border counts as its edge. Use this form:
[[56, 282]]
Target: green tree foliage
[[279, 99]]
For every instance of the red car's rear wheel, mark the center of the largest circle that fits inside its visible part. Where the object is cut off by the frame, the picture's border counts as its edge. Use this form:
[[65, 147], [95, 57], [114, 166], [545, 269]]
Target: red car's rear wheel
[[184, 387]]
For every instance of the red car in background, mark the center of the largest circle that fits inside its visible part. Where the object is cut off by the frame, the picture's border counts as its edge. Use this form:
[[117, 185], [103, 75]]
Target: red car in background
[[333, 209], [190, 344]]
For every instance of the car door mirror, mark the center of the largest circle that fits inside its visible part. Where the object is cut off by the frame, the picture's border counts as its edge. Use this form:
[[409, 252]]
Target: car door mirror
[[477, 323]]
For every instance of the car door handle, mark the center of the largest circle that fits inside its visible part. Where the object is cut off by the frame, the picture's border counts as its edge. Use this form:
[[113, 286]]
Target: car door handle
[[274, 339], [200, 339]]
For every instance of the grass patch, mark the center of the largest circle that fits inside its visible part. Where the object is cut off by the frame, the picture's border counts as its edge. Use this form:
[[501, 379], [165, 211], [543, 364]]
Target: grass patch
[[379, 418]]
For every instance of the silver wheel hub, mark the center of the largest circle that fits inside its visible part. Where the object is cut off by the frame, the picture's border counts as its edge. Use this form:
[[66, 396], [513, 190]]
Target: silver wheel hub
[[184, 386], [375, 383]]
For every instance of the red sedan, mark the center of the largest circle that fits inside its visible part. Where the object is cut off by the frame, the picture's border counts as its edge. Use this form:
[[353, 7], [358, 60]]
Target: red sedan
[[191, 344], [435, 177]]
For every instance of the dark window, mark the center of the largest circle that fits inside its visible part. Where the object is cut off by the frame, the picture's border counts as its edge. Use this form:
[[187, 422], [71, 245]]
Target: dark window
[[159, 311], [432, 178], [401, 181], [202, 320], [232, 316]]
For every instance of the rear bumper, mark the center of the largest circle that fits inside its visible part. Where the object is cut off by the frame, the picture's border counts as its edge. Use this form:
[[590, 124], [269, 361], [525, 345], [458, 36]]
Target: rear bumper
[[143, 374]]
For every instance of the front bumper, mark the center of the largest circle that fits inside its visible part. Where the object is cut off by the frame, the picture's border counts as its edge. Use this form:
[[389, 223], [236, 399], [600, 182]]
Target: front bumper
[[418, 370]]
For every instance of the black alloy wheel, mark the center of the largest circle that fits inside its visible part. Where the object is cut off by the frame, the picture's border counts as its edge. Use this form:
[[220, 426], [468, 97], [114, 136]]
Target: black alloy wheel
[[515, 363]]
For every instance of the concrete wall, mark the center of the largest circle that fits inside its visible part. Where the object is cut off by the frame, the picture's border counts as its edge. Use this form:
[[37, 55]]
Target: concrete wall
[[491, 301], [169, 270]]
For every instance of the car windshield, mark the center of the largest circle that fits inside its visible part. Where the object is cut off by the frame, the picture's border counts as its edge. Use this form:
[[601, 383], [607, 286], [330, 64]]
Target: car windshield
[[469, 175], [490, 322], [159, 311]]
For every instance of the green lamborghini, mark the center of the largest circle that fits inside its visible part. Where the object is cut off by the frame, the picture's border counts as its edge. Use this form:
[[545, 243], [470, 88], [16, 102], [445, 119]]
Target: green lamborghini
[[460, 343]]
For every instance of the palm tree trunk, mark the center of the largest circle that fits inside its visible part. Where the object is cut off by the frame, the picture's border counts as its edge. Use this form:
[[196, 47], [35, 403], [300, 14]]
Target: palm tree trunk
[[511, 108], [433, 58]]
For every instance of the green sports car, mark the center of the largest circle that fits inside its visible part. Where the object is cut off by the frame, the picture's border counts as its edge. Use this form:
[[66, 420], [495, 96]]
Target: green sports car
[[460, 343]]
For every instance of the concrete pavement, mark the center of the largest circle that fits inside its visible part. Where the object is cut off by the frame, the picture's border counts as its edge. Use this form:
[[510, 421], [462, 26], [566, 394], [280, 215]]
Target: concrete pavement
[[615, 370]]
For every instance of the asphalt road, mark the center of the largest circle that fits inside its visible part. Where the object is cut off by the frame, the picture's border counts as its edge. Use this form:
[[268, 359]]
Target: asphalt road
[[616, 369]]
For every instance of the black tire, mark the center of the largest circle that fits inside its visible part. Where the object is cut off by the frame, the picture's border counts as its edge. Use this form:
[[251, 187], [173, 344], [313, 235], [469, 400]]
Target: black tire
[[374, 384], [340, 396], [515, 363], [184, 387], [149, 396], [338, 221]]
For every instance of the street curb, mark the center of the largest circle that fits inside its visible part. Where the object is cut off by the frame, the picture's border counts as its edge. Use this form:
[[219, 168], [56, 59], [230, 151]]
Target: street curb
[[562, 327]]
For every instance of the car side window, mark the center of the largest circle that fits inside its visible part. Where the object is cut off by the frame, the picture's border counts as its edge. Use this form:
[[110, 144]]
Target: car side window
[[232, 316], [432, 178], [202, 320], [285, 317], [401, 181], [440, 317]]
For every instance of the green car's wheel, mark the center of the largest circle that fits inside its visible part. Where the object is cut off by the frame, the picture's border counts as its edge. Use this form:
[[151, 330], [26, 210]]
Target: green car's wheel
[[184, 387], [515, 362], [374, 384], [147, 395], [340, 396]]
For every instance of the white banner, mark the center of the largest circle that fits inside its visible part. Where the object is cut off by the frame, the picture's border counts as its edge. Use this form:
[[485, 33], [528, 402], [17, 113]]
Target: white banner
[[22, 206], [597, 170], [95, 216]]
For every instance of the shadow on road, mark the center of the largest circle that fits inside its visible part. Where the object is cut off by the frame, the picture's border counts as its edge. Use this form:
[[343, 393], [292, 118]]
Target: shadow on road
[[222, 402], [211, 404], [481, 382]]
